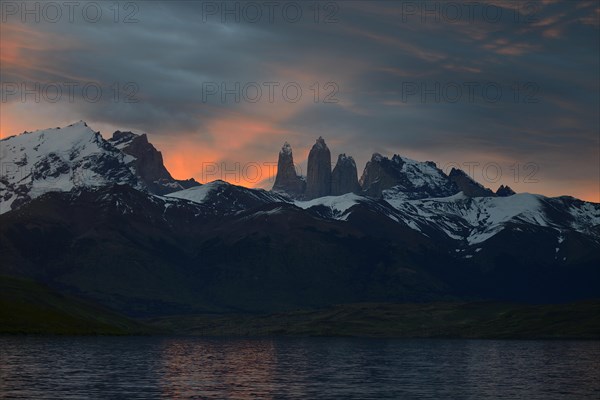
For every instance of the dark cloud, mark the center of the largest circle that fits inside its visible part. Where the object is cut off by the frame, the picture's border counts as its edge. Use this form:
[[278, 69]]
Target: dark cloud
[[375, 52]]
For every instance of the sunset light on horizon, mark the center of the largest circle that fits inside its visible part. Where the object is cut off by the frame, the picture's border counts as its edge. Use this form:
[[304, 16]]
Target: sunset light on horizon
[[393, 94]]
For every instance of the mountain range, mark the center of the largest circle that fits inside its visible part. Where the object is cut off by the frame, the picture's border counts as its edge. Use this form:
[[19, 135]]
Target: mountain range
[[104, 219]]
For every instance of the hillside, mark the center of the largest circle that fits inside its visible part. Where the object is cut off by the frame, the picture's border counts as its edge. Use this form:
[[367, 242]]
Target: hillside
[[28, 307]]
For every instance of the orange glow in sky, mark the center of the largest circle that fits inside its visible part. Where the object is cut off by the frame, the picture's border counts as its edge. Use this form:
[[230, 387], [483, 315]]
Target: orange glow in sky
[[231, 145]]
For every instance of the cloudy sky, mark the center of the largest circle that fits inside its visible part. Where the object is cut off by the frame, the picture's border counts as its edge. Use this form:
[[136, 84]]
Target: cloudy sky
[[508, 90]]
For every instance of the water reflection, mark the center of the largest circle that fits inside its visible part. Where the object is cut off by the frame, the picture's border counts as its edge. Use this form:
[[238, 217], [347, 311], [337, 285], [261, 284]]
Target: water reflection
[[282, 368], [240, 369]]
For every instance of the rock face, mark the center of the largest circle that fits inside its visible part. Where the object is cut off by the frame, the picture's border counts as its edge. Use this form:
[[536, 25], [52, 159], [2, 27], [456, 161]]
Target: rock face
[[148, 160], [504, 191], [379, 174], [148, 163], [287, 180], [414, 179], [467, 185], [344, 178], [318, 179]]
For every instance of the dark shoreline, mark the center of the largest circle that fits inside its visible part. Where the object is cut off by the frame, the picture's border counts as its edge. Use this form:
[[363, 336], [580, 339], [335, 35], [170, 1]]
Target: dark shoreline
[[27, 307], [482, 320]]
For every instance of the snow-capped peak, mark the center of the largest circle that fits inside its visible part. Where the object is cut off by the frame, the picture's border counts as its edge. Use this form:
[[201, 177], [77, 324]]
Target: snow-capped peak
[[320, 143], [226, 199], [377, 157], [403, 175], [343, 158], [286, 148], [57, 159], [79, 123]]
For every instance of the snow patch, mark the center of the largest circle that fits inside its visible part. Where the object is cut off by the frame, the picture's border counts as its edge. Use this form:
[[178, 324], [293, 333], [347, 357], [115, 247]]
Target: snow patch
[[198, 194], [336, 203]]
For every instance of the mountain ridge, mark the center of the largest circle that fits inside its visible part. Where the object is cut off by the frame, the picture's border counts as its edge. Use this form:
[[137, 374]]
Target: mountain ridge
[[413, 236]]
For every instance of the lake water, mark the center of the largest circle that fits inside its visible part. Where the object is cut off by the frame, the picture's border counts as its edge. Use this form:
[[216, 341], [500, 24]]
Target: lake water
[[296, 368]]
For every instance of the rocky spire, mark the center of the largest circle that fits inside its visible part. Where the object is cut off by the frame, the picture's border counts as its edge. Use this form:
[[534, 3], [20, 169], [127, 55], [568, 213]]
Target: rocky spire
[[148, 163], [344, 178], [504, 191], [318, 177], [286, 179]]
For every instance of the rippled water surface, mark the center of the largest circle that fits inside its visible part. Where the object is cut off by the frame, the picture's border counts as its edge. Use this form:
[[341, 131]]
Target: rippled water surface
[[290, 368]]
